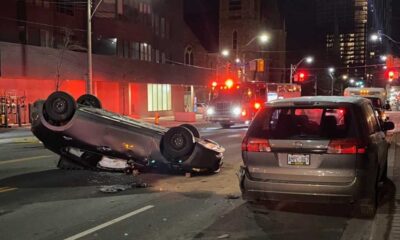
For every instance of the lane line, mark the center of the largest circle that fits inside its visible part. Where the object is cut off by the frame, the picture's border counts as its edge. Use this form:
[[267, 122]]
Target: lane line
[[106, 224], [24, 159], [7, 189]]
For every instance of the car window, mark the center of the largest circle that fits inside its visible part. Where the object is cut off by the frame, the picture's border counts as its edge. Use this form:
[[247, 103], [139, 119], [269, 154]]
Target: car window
[[300, 123], [372, 122]]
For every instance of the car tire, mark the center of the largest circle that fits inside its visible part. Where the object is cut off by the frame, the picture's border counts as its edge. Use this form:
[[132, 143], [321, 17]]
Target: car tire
[[59, 107], [193, 129], [368, 209], [226, 125], [384, 176], [177, 142], [89, 100]]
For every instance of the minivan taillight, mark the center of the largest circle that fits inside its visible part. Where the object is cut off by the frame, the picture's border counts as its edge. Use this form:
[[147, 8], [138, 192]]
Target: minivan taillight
[[256, 145], [345, 146]]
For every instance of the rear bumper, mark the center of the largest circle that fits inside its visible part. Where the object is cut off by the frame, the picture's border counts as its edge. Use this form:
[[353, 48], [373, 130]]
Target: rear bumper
[[255, 190]]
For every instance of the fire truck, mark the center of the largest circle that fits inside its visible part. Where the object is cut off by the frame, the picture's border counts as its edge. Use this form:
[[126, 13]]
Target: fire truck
[[237, 102]]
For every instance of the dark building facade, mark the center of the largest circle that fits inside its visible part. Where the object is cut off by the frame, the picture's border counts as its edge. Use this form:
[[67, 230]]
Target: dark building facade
[[145, 58], [344, 28], [240, 24]]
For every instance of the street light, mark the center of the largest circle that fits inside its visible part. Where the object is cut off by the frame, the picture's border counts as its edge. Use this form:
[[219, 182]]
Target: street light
[[237, 60], [293, 68], [344, 77], [352, 81], [383, 58], [331, 70], [225, 53], [263, 38], [378, 37]]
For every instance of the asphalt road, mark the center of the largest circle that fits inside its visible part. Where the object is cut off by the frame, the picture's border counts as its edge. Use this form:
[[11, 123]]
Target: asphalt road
[[39, 201]]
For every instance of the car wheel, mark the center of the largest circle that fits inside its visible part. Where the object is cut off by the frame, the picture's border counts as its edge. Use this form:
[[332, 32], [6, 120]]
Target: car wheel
[[226, 125], [89, 100], [178, 142], [59, 107], [384, 177], [193, 129], [368, 209]]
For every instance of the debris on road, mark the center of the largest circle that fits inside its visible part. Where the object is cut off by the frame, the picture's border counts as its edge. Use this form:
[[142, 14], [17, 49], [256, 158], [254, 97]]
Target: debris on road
[[223, 236], [119, 188], [232, 196]]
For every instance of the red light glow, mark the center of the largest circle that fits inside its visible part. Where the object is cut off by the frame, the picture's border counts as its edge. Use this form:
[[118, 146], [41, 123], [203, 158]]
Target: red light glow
[[229, 83]]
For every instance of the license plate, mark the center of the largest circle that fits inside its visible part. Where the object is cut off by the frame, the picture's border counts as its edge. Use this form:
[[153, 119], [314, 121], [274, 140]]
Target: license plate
[[299, 159]]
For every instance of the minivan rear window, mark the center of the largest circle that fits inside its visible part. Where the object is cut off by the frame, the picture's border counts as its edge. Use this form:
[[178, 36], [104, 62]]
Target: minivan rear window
[[303, 123]]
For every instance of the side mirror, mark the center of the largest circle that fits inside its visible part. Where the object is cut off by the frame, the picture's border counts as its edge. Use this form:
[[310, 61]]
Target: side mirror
[[388, 126]]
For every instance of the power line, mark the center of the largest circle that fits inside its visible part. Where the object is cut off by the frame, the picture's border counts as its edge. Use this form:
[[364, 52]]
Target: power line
[[42, 24]]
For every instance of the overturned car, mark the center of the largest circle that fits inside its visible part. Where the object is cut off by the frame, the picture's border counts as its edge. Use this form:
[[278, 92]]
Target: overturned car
[[84, 135]]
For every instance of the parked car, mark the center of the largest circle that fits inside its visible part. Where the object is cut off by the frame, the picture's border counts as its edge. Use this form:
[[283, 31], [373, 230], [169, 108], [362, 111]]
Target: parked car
[[83, 134], [201, 108], [315, 149]]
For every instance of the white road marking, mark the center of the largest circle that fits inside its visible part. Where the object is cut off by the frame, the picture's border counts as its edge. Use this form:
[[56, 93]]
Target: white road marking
[[106, 224], [24, 159]]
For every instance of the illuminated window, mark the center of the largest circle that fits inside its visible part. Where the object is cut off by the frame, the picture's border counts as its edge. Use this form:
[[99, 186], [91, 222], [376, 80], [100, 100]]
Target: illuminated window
[[158, 97]]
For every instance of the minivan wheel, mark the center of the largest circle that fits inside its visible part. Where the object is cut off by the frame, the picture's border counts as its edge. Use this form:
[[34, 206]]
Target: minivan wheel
[[368, 208], [384, 177]]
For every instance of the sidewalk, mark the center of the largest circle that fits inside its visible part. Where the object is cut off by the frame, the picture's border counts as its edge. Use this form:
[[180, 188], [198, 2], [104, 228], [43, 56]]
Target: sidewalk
[[24, 134]]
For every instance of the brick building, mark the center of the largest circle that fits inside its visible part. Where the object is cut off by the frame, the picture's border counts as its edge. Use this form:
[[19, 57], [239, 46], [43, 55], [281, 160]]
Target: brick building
[[241, 22], [145, 58]]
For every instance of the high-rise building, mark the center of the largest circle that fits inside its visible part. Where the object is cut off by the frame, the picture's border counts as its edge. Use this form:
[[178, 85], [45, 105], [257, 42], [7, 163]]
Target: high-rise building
[[344, 27], [241, 24]]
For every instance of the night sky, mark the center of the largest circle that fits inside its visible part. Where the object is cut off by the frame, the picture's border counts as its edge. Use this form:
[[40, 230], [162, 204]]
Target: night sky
[[202, 16]]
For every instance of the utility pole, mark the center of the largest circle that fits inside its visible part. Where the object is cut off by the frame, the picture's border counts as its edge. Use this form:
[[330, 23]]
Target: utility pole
[[89, 80]]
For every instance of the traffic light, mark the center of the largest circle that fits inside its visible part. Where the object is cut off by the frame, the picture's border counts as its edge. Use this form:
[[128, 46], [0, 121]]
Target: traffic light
[[300, 76], [260, 65], [391, 74]]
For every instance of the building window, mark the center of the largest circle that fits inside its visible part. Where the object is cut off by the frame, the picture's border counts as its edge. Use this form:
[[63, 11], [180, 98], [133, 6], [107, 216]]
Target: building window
[[135, 50], [163, 60], [234, 40], [156, 24], [45, 38], [157, 57], [65, 6], [158, 97], [189, 55], [167, 29], [235, 5], [162, 27]]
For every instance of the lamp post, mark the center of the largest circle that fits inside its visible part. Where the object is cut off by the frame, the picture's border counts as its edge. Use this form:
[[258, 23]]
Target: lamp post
[[331, 71], [90, 14], [263, 38], [294, 67]]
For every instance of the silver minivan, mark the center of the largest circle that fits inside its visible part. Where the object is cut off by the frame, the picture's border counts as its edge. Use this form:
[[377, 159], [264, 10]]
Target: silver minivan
[[315, 149]]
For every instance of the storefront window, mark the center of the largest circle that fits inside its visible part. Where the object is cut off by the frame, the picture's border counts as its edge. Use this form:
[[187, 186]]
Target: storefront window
[[158, 97]]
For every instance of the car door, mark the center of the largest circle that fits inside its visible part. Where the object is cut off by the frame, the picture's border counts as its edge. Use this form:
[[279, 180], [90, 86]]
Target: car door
[[377, 136]]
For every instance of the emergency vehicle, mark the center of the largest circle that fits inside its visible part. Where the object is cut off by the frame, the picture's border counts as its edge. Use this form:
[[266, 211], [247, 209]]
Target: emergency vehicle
[[237, 102]]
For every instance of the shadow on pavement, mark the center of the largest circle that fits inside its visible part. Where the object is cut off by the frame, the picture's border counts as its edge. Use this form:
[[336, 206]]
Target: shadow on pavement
[[276, 223]]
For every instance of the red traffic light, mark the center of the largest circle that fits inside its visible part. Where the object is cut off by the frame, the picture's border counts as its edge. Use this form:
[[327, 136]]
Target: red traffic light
[[300, 76], [391, 74]]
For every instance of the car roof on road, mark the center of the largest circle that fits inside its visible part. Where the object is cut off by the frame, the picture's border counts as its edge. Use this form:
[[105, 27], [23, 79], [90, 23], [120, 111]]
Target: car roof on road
[[317, 100]]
